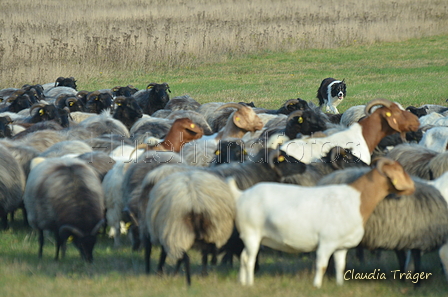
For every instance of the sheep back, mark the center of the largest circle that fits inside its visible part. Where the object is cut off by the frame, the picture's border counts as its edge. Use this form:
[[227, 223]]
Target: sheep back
[[188, 207]]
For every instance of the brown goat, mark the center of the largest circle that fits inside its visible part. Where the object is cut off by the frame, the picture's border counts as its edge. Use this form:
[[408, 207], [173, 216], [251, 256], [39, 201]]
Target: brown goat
[[243, 120], [391, 118], [182, 131]]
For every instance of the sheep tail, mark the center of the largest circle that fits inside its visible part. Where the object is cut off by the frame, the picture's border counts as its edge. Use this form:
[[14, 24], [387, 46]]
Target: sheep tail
[[199, 224], [236, 192]]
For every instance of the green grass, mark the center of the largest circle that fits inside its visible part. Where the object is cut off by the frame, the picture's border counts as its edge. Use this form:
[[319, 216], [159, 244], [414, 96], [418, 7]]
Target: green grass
[[412, 72], [120, 272]]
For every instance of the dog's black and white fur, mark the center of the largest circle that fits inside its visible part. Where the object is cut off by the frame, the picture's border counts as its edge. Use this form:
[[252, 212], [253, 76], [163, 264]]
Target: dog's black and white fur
[[330, 93]]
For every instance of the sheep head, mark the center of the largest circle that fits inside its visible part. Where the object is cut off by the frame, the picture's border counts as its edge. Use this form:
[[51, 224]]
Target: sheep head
[[292, 105], [305, 122], [280, 162], [399, 181], [398, 119]]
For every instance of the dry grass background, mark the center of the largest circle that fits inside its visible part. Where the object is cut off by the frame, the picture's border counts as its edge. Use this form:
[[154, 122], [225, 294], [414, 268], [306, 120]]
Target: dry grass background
[[44, 39]]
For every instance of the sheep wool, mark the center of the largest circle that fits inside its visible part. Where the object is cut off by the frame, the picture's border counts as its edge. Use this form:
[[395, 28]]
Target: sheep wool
[[190, 206]]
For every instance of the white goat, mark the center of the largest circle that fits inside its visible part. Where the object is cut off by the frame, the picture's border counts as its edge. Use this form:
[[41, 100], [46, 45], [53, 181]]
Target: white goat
[[328, 219]]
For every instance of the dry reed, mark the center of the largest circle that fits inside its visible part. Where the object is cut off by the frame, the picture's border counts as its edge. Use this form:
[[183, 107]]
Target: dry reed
[[41, 40]]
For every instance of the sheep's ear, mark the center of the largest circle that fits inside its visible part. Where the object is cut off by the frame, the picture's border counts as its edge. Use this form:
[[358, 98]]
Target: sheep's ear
[[239, 120], [399, 179], [36, 161]]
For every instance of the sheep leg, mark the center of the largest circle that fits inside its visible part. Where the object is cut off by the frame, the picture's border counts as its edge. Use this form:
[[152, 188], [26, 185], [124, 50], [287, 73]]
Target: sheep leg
[[416, 255], [148, 248], [248, 259], [135, 237], [162, 260], [360, 254], [322, 257], [443, 254], [339, 257], [401, 256], [5, 221], [186, 260], [59, 242], [41, 242], [208, 249]]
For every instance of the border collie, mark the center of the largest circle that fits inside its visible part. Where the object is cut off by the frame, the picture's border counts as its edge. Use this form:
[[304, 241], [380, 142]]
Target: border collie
[[330, 93]]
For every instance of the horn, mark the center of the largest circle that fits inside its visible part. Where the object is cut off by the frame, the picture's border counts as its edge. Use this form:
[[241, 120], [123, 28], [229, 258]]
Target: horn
[[231, 104], [150, 85], [60, 78], [380, 162], [71, 229], [290, 101], [37, 105], [376, 102], [97, 227], [294, 114], [60, 97]]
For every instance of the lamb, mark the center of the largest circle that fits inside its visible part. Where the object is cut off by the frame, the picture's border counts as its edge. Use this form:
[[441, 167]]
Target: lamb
[[64, 195], [361, 138], [188, 209], [331, 218]]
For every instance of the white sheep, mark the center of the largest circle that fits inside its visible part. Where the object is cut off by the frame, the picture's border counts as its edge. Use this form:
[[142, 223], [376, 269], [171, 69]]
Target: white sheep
[[328, 219]]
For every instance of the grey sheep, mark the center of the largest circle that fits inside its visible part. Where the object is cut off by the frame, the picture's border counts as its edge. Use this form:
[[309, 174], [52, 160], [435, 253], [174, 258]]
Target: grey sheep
[[64, 195], [188, 208], [12, 184]]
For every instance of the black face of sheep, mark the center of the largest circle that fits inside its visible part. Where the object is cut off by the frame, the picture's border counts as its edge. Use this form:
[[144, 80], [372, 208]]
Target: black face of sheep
[[304, 122], [127, 111], [48, 112], [71, 102], [37, 89], [19, 100], [66, 82], [97, 102], [229, 151], [5, 129], [127, 91], [293, 105], [83, 242], [419, 112], [157, 98]]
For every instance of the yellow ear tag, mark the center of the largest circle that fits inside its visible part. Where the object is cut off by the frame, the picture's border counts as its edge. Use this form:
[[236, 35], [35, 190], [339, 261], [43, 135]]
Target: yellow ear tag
[[300, 120], [292, 103], [217, 152], [128, 225], [192, 126], [96, 98], [388, 114], [119, 104], [41, 111], [244, 152], [237, 119], [70, 239], [394, 181], [281, 158], [71, 103]]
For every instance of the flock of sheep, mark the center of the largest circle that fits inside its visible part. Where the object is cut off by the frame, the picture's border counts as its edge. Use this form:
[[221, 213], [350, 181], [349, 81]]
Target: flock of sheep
[[225, 178]]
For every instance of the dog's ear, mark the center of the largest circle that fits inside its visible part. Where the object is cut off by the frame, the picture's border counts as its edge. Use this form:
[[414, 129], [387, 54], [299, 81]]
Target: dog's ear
[[343, 81]]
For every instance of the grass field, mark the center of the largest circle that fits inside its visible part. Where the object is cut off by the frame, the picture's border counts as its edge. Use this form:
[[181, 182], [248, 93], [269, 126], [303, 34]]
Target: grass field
[[220, 50]]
